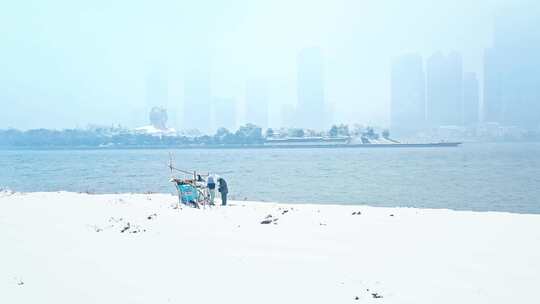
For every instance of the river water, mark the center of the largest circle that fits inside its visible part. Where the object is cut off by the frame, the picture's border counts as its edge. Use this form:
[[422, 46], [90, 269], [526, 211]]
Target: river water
[[482, 177]]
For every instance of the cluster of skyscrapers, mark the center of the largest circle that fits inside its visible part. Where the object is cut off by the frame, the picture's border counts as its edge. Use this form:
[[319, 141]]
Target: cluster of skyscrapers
[[205, 112], [443, 94], [424, 94], [512, 70], [440, 95]]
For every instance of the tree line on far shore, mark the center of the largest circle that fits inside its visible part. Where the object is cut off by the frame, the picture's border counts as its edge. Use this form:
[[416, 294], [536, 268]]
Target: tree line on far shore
[[248, 134]]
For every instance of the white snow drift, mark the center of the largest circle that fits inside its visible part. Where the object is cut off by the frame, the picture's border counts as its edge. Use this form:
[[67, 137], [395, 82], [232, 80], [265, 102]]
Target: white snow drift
[[79, 248]]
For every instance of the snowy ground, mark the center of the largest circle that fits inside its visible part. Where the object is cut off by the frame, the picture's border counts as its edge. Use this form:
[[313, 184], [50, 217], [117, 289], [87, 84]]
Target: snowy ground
[[79, 248]]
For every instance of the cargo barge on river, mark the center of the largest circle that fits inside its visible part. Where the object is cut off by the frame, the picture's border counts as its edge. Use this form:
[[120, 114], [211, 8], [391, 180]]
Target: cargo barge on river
[[347, 142]]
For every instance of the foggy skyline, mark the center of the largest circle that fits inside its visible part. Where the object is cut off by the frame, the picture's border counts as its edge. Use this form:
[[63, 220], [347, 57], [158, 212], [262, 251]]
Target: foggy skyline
[[66, 65], [512, 70], [408, 94], [444, 89]]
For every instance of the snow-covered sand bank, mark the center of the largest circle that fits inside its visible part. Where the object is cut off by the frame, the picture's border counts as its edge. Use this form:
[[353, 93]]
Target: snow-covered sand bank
[[79, 248]]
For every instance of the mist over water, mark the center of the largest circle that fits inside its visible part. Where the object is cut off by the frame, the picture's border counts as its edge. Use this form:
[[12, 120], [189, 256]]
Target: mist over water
[[482, 177]]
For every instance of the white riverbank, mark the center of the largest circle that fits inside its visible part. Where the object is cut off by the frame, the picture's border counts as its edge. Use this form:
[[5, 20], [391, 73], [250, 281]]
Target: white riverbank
[[69, 248]]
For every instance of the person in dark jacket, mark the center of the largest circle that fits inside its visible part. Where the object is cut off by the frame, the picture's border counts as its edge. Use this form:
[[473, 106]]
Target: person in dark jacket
[[223, 190]]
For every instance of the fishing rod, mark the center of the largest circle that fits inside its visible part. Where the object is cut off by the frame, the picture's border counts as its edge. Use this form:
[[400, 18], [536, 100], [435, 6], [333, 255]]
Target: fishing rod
[[173, 168]]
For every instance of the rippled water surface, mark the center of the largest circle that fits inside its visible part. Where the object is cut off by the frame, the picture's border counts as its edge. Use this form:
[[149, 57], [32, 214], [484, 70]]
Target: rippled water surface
[[498, 177]]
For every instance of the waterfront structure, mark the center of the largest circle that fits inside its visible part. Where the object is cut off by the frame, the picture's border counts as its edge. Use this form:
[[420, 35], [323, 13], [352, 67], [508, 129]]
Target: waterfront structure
[[158, 118]]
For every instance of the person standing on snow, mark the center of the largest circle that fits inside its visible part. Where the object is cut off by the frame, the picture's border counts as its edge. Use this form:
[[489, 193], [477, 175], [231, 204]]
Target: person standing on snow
[[223, 190], [211, 184]]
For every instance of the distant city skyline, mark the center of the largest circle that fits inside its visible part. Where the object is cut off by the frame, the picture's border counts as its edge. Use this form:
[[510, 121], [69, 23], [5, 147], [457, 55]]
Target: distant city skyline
[[471, 99], [512, 70], [444, 87], [511, 83], [224, 114], [408, 94], [157, 87], [77, 64], [197, 101], [257, 103], [310, 85]]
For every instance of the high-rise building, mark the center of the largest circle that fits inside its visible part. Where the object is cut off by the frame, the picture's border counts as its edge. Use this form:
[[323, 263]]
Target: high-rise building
[[310, 81], [224, 113], [471, 99], [257, 103], [156, 87], [408, 97], [512, 69], [444, 89], [494, 107], [288, 114], [197, 96]]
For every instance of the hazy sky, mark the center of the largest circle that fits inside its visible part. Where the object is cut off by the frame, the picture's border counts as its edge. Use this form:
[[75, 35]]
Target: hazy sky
[[67, 63]]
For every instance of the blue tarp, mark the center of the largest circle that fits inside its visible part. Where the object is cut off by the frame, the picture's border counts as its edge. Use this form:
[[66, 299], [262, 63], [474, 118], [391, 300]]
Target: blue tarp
[[188, 193]]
